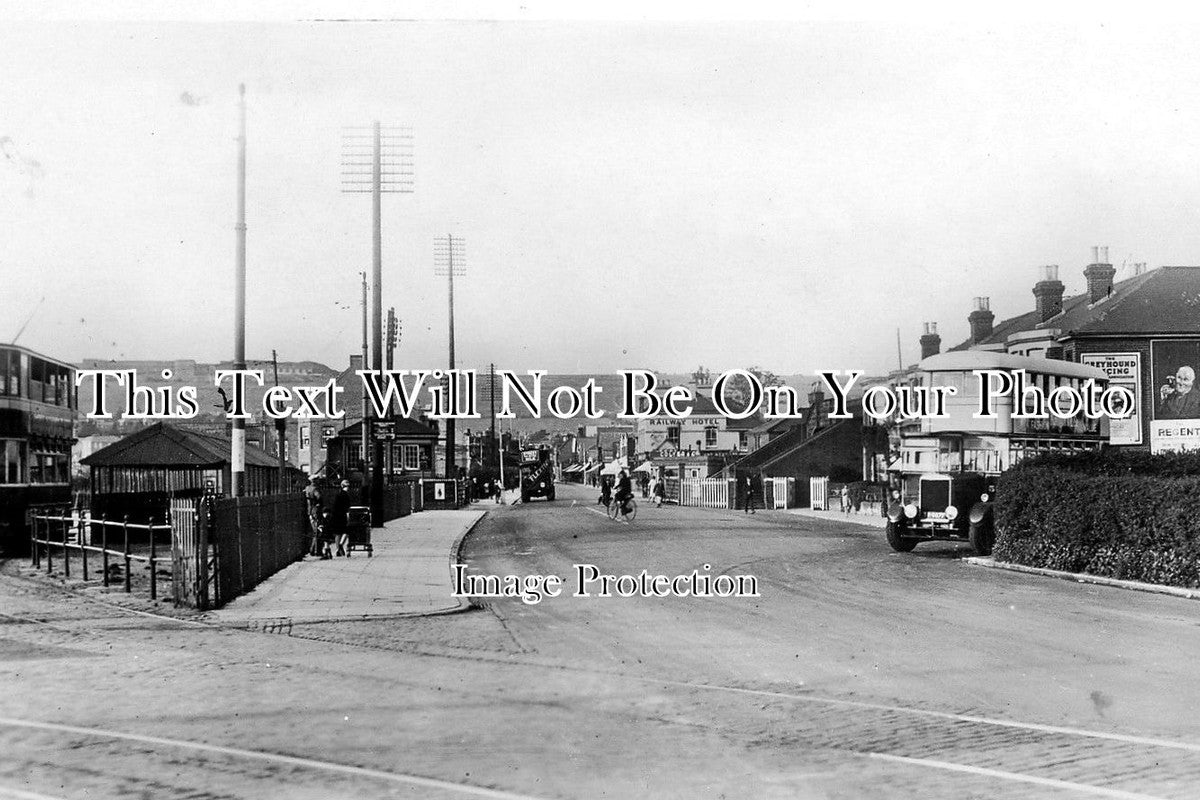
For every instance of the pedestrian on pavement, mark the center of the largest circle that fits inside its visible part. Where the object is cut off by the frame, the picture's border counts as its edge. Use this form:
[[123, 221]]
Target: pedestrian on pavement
[[659, 492], [623, 494], [845, 494], [749, 494], [312, 501], [339, 519]]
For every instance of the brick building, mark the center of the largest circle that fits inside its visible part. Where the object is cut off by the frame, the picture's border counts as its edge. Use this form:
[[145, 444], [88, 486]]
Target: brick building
[[1143, 330]]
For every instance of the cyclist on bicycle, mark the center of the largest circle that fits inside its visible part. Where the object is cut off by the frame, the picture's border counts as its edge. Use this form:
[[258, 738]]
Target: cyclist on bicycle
[[624, 492]]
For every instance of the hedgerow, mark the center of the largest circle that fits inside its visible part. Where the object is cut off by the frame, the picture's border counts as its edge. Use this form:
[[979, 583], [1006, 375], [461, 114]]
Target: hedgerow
[[1134, 516]]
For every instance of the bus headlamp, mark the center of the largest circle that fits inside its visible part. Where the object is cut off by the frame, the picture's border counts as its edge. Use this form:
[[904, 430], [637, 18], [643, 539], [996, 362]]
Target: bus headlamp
[[983, 498], [951, 513], [910, 511]]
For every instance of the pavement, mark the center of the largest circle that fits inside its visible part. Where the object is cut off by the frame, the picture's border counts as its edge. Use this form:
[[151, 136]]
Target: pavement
[[407, 575], [871, 519]]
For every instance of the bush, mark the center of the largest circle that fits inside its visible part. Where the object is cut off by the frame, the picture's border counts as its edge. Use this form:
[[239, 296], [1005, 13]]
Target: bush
[[1121, 515]]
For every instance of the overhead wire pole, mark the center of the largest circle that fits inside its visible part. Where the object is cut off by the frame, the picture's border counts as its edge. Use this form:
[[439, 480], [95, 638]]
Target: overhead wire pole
[[237, 456], [387, 154], [449, 259]]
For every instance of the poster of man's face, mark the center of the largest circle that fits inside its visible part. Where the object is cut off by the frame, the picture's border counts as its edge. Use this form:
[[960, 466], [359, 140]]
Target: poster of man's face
[[1174, 365]]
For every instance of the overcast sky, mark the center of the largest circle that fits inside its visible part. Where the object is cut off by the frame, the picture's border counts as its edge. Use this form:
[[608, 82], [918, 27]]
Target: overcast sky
[[660, 194]]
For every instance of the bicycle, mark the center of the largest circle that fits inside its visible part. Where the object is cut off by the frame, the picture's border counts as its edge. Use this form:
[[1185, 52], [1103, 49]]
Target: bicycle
[[614, 510]]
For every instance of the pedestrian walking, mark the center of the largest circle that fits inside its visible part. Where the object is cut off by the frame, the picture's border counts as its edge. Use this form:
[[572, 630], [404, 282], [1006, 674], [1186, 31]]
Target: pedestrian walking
[[339, 519], [312, 502], [659, 492], [749, 494]]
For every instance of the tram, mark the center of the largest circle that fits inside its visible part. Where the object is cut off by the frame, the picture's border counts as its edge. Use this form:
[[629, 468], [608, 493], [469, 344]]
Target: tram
[[37, 414], [943, 482]]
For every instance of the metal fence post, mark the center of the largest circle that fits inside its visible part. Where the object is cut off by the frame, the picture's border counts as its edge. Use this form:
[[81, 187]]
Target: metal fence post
[[34, 556], [66, 548], [153, 563], [49, 553], [128, 579], [82, 546], [104, 546]]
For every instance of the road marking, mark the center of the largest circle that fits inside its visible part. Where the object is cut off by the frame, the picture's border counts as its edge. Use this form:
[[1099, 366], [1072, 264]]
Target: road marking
[[21, 794], [1098, 791], [328, 766]]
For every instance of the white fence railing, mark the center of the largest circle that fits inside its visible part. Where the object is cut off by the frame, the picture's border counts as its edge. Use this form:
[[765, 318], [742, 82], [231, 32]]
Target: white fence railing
[[704, 492]]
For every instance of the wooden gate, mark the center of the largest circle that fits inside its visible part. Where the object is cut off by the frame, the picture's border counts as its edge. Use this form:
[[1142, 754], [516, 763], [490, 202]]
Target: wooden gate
[[820, 493]]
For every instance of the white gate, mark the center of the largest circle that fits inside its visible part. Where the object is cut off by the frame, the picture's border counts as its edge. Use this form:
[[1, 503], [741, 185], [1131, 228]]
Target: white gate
[[783, 492], [706, 492], [819, 489]]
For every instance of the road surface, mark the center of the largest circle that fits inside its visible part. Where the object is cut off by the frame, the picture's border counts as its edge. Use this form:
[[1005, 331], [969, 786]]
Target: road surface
[[856, 672]]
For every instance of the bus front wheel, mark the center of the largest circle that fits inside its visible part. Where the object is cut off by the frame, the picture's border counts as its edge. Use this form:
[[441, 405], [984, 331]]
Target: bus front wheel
[[982, 536], [897, 540]]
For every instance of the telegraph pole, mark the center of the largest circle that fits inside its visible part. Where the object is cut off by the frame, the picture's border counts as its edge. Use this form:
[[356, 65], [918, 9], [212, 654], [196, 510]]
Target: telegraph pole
[[389, 158], [363, 394], [492, 384], [237, 460], [449, 259], [280, 428]]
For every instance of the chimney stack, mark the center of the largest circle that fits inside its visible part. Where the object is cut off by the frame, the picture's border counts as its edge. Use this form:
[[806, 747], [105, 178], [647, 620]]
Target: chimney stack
[[981, 320], [931, 343], [1099, 275], [1049, 293], [356, 362]]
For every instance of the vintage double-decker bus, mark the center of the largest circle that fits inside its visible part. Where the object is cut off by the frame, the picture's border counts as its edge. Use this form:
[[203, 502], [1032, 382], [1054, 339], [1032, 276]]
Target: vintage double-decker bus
[[37, 416], [944, 478]]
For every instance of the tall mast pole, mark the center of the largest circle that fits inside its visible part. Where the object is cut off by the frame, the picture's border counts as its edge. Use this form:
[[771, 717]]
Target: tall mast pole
[[377, 322], [451, 444], [360, 152], [238, 439]]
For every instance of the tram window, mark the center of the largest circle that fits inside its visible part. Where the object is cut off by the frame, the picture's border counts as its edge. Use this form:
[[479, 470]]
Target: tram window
[[10, 469]]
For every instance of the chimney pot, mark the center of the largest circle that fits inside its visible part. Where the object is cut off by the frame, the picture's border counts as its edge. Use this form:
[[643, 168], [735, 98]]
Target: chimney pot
[[1099, 276], [931, 343], [1049, 293], [981, 320]]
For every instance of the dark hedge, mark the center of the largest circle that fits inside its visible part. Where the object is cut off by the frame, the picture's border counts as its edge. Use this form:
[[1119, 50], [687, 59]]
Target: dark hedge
[[1122, 515]]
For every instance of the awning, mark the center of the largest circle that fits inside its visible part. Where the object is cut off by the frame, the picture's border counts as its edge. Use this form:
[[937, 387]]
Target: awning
[[573, 468], [613, 467], [645, 466]]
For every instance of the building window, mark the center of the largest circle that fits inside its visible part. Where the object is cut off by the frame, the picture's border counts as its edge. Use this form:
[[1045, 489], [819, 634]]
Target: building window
[[305, 437], [412, 456], [710, 437], [673, 434]]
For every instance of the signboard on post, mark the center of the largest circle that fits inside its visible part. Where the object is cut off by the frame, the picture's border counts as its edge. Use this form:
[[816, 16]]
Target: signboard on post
[[385, 430], [1123, 369]]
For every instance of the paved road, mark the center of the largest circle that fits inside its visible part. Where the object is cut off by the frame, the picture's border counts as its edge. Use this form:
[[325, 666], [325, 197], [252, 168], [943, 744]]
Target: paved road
[[857, 673]]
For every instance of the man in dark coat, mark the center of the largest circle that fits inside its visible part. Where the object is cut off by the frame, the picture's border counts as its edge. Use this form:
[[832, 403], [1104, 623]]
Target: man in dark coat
[[339, 518], [312, 499]]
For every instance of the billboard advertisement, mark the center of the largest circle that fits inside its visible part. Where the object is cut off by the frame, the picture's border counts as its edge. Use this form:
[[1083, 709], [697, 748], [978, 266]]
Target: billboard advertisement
[[1123, 369], [1175, 424]]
